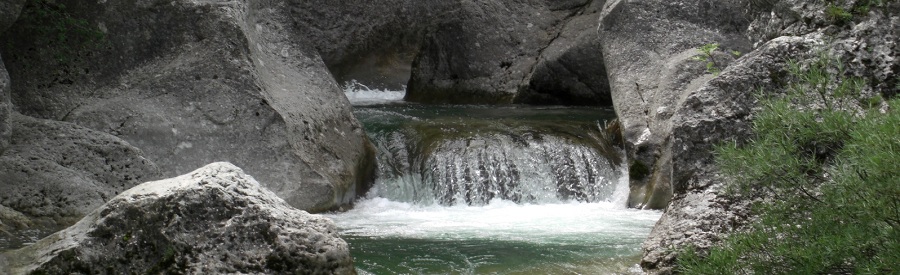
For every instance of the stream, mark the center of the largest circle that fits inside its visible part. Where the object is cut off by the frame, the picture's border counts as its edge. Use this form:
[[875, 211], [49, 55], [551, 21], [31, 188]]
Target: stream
[[491, 190]]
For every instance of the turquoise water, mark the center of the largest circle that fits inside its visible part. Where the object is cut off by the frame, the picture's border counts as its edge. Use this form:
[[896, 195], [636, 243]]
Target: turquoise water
[[502, 237], [492, 190]]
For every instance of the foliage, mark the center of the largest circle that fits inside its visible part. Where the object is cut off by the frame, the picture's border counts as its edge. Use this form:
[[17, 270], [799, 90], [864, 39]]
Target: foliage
[[838, 14], [706, 55], [63, 32], [832, 173]]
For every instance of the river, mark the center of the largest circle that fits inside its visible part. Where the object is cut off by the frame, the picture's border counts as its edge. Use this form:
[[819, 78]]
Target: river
[[491, 190]]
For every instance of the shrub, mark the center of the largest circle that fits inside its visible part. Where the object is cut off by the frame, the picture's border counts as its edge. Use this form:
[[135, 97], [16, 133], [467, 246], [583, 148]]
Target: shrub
[[828, 177]]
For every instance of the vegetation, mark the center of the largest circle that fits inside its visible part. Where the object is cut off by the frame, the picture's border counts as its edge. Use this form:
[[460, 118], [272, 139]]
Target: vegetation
[[706, 55], [825, 173]]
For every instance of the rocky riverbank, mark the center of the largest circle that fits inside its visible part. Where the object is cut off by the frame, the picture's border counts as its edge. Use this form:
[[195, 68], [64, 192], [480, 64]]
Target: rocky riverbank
[[125, 92]]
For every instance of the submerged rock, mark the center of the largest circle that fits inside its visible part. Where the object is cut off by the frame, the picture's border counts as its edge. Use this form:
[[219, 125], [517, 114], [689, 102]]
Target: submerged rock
[[214, 220]]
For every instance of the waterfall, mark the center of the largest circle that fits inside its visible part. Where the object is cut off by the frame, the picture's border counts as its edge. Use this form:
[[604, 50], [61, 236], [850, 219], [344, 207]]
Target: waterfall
[[473, 160]]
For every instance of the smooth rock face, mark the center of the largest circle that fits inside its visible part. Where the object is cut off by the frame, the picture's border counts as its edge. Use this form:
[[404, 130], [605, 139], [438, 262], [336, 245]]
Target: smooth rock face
[[57, 172], [373, 42], [570, 71], [214, 220], [483, 51], [196, 82], [648, 50]]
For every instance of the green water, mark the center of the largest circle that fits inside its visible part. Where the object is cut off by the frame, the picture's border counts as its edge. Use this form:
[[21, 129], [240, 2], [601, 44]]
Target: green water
[[493, 190]]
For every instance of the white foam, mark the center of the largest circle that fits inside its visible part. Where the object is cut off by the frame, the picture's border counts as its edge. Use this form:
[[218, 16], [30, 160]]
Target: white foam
[[361, 95], [498, 220]]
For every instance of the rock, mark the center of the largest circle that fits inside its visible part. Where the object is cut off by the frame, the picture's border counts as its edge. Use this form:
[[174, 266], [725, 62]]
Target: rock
[[196, 82], [56, 172], [868, 42], [374, 42], [721, 109], [211, 221], [482, 51], [9, 12], [570, 71], [5, 109], [700, 213], [648, 49]]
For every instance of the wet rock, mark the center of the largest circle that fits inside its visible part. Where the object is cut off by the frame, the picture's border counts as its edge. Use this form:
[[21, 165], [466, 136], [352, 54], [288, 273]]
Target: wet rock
[[196, 82], [213, 220], [648, 51], [55, 172]]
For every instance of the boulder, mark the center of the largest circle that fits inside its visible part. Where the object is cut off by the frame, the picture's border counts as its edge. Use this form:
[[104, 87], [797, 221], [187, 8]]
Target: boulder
[[483, 51], [570, 71], [213, 220], [701, 213], [9, 12], [5, 109], [721, 110], [648, 49], [196, 82], [374, 42], [55, 172]]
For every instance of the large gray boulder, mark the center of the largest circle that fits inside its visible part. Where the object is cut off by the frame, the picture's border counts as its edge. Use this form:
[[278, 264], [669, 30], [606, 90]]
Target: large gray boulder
[[484, 51], [196, 82], [648, 51], [570, 71], [701, 213], [214, 220], [55, 172], [721, 110], [373, 42]]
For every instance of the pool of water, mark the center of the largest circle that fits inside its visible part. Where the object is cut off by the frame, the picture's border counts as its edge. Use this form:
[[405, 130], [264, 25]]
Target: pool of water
[[491, 190], [502, 237]]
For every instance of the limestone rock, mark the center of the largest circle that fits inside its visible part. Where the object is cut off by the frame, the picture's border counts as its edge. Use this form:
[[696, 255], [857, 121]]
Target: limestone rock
[[570, 71], [482, 51], [648, 51], [9, 12], [211, 221], [191, 83], [57, 172], [5, 108], [700, 213]]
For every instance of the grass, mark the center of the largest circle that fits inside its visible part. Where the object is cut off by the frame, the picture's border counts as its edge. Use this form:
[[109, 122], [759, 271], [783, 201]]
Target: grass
[[828, 181]]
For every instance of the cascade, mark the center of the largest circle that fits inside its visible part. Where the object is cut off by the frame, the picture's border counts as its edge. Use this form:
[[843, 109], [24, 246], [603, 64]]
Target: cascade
[[491, 190]]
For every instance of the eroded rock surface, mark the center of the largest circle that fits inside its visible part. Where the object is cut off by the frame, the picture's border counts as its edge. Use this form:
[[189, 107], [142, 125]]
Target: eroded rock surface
[[57, 172], [196, 82], [648, 48], [700, 213], [213, 220]]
